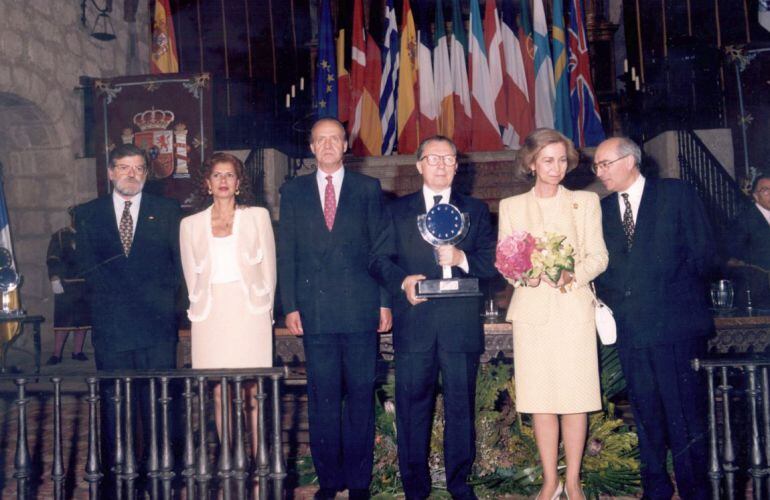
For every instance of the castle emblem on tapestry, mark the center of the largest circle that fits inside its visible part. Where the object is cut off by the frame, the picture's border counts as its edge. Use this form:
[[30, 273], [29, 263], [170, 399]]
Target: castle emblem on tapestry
[[166, 148]]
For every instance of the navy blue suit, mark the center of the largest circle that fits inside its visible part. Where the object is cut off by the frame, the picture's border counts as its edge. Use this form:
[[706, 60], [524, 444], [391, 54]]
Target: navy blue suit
[[441, 335], [657, 291], [132, 299], [749, 241], [324, 275]]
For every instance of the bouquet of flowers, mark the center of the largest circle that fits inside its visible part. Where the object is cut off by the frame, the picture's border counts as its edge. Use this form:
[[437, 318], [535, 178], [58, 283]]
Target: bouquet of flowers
[[521, 256]]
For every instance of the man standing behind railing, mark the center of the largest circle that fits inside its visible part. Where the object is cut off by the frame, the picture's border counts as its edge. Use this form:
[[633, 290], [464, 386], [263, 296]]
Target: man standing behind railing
[[330, 224], [661, 249], [128, 250]]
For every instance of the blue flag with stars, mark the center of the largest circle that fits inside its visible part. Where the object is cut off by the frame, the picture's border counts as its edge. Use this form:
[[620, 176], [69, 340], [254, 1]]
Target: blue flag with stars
[[325, 100]]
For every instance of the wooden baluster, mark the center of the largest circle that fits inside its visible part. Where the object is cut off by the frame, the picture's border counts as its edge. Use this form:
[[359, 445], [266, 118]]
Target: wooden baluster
[[728, 449], [278, 470], [166, 453], [239, 450], [119, 455], [153, 463], [756, 470], [57, 468], [21, 463], [202, 470], [93, 468], [129, 467], [188, 472], [225, 465]]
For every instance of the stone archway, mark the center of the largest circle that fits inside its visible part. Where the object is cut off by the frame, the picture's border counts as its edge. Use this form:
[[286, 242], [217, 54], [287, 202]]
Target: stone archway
[[41, 180]]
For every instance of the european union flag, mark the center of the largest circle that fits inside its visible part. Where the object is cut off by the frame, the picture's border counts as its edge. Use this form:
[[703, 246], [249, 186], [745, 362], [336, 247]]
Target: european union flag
[[325, 100]]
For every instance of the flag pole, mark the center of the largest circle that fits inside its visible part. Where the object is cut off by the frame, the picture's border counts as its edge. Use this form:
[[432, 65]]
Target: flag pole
[[665, 31], [639, 40], [248, 38], [227, 62]]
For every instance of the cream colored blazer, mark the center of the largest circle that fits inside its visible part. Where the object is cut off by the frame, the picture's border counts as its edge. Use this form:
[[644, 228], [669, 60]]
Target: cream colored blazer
[[580, 221], [256, 259]]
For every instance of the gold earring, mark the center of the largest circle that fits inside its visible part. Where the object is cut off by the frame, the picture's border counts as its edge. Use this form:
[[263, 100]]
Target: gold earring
[[237, 192], [532, 172], [209, 190]]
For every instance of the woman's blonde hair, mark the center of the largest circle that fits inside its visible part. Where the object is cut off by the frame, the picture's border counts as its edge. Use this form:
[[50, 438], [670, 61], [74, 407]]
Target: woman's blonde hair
[[536, 141]]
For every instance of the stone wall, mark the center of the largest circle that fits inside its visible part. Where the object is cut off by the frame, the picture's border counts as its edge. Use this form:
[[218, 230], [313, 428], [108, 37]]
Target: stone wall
[[44, 49]]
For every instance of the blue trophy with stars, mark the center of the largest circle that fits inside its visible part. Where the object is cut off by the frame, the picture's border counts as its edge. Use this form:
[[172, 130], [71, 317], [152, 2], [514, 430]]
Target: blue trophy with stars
[[444, 224]]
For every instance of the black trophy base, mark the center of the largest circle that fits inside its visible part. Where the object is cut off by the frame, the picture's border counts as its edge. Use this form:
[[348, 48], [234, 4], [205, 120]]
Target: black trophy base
[[452, 287]]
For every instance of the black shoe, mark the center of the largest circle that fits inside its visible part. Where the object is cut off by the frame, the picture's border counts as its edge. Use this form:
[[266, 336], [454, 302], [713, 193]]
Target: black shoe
[[355, 494], [53, 360], [79, 357], [325, 494]]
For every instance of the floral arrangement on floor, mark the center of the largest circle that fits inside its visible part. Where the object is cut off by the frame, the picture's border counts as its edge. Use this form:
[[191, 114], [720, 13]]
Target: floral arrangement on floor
[[506, 453]]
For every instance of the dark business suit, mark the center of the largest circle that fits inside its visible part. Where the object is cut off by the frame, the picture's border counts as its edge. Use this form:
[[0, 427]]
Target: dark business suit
[[657, 291], [132, 298], [441, 335], [324, 275], [749, 241]]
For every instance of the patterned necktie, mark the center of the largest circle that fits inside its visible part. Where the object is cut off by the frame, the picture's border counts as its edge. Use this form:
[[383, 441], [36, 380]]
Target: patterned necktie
[[330, 203], [126, 228], [436, 199], [628, 221]]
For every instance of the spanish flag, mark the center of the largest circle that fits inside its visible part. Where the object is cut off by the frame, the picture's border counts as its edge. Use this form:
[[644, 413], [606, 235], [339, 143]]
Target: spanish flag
[[164, 57], [408, 131]]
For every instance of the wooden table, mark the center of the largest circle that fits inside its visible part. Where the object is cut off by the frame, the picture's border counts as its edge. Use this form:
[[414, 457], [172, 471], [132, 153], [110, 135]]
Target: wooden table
[[737, 333], [23, 320]]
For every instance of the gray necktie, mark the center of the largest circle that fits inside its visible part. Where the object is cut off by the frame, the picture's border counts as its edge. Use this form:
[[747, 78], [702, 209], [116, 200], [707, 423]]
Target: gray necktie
[[436, 199], [628, 221], [126, 228]]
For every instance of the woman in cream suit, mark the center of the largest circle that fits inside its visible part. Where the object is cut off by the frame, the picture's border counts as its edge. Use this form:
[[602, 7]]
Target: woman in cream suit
[[554, 335], [228, 259]]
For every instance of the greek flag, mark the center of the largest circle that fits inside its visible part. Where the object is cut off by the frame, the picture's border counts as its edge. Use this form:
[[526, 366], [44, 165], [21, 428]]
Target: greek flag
[[388, 89]]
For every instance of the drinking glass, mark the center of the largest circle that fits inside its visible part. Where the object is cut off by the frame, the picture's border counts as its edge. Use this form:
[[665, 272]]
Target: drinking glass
[[722, 294]]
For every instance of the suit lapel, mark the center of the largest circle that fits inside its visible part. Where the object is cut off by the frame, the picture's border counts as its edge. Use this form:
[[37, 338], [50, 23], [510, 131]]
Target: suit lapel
[[108, 226]]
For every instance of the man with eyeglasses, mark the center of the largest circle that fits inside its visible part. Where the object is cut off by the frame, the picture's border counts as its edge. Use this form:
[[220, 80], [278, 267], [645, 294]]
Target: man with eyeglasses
[[437, 336], [661, 250], [128, 253], [748, 247]]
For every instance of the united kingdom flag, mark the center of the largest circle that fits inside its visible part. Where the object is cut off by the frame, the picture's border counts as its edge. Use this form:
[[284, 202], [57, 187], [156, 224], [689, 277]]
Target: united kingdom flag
[[587, 122]]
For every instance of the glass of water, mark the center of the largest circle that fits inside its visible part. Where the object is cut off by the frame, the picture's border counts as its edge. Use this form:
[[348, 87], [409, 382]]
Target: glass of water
[[722, 294]]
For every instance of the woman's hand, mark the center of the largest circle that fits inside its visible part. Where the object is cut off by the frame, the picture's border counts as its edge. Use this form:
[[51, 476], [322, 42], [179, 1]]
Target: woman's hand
[[533, 282], [565, 278]]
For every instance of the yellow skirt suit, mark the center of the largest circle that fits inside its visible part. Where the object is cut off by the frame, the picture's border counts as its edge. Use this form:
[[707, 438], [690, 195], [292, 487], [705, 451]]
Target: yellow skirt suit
[[556, 368]]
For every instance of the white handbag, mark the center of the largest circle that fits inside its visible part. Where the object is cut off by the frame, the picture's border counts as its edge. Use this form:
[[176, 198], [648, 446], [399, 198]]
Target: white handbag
[[605, 321]]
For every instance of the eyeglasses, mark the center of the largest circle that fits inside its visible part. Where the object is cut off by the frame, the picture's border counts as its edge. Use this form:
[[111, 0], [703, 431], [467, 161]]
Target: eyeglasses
[[123, 168], [763, 191], [435, 160], [604, 165]]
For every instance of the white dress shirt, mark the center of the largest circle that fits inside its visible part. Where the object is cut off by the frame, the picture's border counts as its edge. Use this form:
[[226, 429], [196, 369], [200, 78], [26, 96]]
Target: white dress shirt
[[635, 192], [428, 195], [118, 203], [320, 177]]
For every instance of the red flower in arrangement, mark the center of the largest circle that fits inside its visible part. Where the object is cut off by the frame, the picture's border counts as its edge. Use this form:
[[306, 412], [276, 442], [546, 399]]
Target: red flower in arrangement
[[514, 255]]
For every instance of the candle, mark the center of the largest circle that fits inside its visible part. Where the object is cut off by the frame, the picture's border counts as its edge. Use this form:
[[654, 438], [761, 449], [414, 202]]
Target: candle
[[288, 101], [302, 83], [625, 65], [293, 91], [636, 83], [633, 73]]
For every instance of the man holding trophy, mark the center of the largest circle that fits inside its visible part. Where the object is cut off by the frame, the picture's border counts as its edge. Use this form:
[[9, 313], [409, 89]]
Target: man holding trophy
[[441, 242]]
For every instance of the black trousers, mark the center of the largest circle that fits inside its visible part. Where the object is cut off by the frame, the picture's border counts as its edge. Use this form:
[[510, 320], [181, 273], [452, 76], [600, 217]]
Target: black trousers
[[161, 357], [340, 389], [669, 402], [416, 381]]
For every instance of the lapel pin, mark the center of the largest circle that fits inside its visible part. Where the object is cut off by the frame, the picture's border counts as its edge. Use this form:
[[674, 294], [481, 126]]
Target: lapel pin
[[151, 217]]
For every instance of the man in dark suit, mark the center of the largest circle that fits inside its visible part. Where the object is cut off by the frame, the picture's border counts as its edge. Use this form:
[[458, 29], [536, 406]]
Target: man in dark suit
[[661, 250], [330, 222], [748, 247], [128, 253], [442, 335]]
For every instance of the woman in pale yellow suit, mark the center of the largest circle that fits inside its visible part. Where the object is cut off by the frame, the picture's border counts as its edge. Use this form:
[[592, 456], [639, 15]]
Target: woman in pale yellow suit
[[228, 259], [554, 335]]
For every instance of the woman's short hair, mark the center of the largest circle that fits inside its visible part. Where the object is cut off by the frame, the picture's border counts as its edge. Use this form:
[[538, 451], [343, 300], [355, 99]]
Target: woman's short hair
[[244, 197], [536, 141]]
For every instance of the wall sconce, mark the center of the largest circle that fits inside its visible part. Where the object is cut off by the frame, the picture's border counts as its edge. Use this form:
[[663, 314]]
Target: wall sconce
[[102, 28]]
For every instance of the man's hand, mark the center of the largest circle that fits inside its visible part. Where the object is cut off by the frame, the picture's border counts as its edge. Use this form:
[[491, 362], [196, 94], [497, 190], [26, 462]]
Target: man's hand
[[449, 255], [410, 288], [294, 323], [386, 320]]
